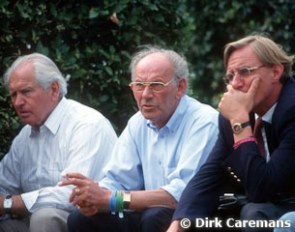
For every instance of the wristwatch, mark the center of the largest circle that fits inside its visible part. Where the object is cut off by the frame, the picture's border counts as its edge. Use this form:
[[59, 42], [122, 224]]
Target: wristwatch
[[7, 204], [126, 199], [238, 127]]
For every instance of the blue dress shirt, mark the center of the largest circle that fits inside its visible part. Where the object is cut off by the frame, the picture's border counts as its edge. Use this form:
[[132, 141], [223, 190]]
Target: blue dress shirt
[[146, 157]]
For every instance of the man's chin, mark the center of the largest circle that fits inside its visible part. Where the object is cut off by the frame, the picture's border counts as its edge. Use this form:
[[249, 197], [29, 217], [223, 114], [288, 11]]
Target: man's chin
[[27, 121], [148, 115]]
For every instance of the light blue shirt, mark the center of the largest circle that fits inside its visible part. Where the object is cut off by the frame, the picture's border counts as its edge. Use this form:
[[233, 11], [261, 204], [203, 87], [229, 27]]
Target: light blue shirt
[[74, 138], [267, 117], [146, 158]]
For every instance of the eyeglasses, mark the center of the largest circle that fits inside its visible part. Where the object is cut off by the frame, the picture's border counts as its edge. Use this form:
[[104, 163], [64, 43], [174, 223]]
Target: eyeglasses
[[242, 73], [155, 86]]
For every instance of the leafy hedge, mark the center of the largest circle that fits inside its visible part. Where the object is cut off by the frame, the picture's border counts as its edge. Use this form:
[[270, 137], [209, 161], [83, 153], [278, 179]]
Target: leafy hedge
[[92, 42], [219, 22]]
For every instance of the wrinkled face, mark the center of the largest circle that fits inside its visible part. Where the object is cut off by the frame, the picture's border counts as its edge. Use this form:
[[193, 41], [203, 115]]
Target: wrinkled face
[[32, 103], [269, 85], [157, 106]]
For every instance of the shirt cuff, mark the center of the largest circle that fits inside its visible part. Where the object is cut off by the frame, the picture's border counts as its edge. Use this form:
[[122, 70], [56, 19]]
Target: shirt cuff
[[30, 199], [175, 189]]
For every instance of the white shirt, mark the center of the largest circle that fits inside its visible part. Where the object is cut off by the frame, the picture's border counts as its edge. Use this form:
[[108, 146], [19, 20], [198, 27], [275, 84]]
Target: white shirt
[[146, 158], [74, 138], [267, 117]]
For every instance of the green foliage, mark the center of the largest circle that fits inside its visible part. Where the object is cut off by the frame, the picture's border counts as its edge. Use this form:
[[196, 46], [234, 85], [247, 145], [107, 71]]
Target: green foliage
[[8, 121], [91, 42], [220, 22]]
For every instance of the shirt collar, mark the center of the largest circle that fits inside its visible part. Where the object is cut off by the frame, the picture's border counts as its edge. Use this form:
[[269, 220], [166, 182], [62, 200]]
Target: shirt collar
[[54, 119], [173, 122], [267, 117]]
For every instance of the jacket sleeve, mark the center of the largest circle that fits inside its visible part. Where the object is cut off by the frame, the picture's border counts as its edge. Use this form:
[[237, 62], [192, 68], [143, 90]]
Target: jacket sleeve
[[268, 181]]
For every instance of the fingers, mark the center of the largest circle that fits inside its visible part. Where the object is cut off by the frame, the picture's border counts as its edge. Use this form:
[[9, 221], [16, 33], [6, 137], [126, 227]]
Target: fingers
[[88, 211], [83, 188], [80, 200], [80, 197], [75, 175], [72, 197], [73, 180], [85, 204], [229, 87], [77, 191], [253, 87], [76, 182]]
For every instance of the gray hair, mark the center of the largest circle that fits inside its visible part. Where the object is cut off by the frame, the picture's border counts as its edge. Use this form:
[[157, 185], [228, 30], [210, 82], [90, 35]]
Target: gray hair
[[179, 62], [46, 71]]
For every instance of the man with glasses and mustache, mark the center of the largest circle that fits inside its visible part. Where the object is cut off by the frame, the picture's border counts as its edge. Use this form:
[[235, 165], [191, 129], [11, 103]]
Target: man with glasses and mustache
[[162, 147], [257, 159]]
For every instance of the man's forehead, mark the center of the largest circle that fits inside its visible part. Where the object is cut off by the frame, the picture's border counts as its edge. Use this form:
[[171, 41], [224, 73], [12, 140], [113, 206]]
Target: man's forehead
[[23, 75]]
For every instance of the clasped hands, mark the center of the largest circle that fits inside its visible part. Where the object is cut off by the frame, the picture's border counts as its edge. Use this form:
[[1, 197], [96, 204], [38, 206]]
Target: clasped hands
[[87, 195]]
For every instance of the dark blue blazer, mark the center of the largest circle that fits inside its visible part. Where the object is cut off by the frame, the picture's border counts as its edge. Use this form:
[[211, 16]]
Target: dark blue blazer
[[244, 169]]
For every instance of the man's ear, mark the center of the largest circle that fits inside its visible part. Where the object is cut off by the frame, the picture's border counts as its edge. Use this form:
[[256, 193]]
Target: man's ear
[[182, 87], [54, 89], [278, 70]]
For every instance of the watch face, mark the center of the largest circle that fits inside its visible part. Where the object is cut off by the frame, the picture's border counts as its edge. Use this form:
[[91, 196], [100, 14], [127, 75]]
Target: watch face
[[7, 204], [237, 128]]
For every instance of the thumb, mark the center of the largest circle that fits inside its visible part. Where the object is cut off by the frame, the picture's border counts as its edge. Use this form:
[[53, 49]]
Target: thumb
[[253, 87]]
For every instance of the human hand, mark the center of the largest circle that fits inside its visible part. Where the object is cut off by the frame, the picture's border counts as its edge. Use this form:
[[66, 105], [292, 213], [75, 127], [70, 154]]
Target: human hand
[[87, 195], [175, 227], [88, 210], [235, 105]]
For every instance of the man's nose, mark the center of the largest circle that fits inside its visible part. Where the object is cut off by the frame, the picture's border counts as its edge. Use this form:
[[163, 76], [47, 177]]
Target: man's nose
[[17, 100], [236, 81], [147, 91]]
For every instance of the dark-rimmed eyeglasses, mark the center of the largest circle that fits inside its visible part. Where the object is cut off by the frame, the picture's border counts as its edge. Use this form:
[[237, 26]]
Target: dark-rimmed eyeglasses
[[242, 73], [155, 86]]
